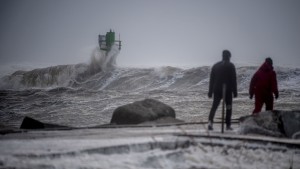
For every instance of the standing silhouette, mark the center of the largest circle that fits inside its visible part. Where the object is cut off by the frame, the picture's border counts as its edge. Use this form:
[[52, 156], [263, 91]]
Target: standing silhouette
[[222, 74], [263, 85]]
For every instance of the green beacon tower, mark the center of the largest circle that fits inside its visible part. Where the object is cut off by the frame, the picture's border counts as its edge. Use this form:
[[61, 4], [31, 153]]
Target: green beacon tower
[[107, 41]]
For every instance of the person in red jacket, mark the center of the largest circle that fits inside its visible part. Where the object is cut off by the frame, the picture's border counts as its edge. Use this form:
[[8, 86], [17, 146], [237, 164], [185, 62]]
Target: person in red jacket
[[263, 85]]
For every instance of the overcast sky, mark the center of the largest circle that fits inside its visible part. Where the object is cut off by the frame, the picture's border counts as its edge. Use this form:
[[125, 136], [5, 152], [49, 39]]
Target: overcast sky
[[154, 32]]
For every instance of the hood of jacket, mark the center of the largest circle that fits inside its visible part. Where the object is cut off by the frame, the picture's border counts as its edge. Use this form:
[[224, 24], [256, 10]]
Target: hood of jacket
[[266, 67]]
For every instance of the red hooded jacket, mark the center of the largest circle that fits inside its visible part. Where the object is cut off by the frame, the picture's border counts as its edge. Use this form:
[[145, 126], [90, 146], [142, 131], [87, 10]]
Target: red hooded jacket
[[264, 82]]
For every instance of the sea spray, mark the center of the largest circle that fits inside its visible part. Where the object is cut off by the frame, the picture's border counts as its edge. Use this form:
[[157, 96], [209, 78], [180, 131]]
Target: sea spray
[[103, 60]]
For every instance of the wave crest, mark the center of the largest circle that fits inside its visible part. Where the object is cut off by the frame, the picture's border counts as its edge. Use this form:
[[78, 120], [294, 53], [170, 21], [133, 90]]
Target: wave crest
[[96, 76]]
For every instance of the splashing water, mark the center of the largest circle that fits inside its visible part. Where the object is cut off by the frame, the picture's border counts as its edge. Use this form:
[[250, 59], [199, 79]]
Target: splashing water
[[100, 60]]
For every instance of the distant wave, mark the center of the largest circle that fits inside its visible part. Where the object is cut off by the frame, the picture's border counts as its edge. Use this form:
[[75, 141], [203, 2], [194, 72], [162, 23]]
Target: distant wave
[[82, 76], [103, 74]]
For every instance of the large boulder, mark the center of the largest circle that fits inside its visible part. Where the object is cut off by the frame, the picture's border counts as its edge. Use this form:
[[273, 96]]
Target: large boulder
[[272, 123], [141, 111]]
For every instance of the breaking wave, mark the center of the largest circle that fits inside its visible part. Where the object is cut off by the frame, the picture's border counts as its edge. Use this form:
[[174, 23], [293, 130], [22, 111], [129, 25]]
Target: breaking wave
[[86, 94], [61, 75], [102, 73]]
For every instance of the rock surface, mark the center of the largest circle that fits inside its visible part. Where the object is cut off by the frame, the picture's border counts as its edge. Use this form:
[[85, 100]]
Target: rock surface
[[291, 123], [142, 111], [30, 123], [272, 123], [163, 121]]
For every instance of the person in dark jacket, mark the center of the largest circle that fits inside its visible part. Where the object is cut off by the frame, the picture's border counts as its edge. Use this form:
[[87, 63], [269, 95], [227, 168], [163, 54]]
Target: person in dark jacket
[[222, 74], [263, 85]]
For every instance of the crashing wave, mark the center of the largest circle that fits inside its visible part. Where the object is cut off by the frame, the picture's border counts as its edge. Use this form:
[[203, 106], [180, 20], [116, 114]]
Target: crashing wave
[[61, 75], [103, 74]]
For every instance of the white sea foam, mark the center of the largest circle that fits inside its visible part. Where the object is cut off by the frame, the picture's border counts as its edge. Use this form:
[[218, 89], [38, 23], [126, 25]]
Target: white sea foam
[[144, 152]]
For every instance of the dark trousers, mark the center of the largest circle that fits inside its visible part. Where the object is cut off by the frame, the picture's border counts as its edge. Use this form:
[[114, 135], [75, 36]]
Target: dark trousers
[[228, 102]]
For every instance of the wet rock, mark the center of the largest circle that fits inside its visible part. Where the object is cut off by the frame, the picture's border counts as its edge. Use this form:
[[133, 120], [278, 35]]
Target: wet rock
[[141, 111], [291, 123], [272, 123], [30, 123], [265, 123]]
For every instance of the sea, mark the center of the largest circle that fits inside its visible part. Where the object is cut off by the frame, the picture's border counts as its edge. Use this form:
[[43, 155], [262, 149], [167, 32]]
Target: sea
[[86, 94]]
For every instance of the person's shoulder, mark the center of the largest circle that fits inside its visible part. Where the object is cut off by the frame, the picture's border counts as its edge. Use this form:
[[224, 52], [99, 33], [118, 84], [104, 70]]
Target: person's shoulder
[[217, 64], [231, 65], [228, 65], [273, 72]]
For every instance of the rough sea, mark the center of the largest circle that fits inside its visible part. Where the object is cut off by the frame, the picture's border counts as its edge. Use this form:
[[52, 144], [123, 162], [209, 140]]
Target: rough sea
[[85, 95]]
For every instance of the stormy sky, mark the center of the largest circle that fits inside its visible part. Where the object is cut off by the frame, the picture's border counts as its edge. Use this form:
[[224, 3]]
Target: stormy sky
[[154, 32]]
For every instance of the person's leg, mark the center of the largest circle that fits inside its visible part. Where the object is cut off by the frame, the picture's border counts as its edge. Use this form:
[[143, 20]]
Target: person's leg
[[258, 104], [269, 103], [228, 102], [216, 102]]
